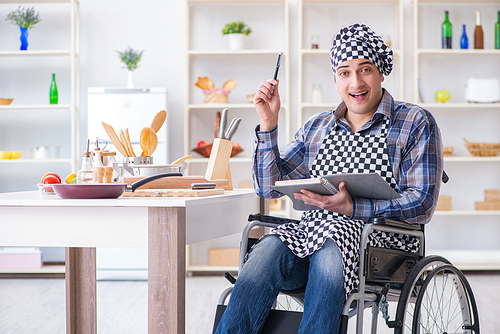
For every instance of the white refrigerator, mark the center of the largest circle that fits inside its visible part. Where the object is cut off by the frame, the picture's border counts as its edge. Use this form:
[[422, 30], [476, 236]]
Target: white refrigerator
[[132, 109]]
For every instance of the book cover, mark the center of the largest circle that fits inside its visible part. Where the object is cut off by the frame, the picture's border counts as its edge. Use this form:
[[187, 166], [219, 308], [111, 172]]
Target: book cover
[[365, 185]]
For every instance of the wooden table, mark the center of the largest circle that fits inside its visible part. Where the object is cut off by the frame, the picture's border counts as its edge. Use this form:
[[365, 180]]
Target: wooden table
[[164, 225]]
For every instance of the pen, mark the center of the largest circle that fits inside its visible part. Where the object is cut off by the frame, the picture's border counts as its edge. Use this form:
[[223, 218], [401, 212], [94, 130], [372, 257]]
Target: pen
[[278, 63]]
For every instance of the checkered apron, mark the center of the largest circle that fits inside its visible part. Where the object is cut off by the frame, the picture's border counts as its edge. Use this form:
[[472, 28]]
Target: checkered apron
[[343, 152]]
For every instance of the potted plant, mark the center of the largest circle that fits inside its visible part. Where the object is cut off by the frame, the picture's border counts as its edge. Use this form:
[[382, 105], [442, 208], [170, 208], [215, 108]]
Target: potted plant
[[25, 19], [130, 58], [236, 32]]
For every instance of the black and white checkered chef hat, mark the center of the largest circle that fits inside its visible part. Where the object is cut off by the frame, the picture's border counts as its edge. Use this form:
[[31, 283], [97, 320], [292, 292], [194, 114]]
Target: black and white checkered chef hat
[[358, 41]]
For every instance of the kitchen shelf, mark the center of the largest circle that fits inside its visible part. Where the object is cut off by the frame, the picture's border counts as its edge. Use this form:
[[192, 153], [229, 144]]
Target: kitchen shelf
[[36, 106], [458, 52], [467, 213], [34, 161], [232, 160], [70, 51], [35, 53], [232, 52], [228, 105], [472, 159], [431, 72], [311, 71]]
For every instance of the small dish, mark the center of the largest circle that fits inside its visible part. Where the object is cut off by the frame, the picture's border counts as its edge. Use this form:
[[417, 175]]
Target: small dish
[[46, 189], [15, 154], [5, 102], [5, 154]]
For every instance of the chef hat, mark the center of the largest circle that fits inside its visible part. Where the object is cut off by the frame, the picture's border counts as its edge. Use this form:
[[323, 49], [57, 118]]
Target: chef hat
[[358, 41]]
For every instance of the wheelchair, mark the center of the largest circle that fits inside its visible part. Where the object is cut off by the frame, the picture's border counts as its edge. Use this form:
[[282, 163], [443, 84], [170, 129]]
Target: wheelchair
[[431, 295]]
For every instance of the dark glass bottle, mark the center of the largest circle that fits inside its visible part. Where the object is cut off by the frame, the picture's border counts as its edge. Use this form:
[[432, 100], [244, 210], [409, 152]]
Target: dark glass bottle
[[53, 95], [464, 41], [478, 32], [497, 32], [446, 32]]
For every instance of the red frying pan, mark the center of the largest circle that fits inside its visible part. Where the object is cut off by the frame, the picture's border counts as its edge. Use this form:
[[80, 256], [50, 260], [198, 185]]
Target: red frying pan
[[102, 190]]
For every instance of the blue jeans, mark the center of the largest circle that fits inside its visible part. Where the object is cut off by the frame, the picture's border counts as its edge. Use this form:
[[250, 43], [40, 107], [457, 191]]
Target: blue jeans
[[272, 266]]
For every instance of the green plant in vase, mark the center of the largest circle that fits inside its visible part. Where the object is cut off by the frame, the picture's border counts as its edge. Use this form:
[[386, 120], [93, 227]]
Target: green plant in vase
[[130, 58], [235, 32], [25, 19]]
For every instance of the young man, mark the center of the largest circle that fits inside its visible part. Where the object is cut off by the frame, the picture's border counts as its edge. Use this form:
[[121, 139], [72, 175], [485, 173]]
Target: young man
[[367, 132]]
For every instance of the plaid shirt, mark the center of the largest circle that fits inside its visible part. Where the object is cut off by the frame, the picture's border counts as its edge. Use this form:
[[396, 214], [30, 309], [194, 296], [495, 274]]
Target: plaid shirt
[[414, 149]]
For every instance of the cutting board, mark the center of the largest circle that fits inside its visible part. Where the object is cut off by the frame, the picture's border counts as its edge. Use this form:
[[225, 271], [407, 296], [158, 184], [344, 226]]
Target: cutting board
[[174, 193], [174, 182]]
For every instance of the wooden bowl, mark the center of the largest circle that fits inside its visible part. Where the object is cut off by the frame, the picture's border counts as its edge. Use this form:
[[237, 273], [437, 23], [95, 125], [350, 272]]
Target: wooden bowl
[[5, 102], [205, 149]]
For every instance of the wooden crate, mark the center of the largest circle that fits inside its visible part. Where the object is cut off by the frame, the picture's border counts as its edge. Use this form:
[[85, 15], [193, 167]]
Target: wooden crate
[[487, 205], [444, 203], [223, 256]]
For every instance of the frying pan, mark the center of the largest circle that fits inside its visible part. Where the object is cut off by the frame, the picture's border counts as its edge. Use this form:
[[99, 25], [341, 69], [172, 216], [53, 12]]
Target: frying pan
[[102, 190]]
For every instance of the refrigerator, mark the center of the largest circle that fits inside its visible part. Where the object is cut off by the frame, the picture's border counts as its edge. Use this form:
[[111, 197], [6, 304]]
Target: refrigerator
[[132, 109]]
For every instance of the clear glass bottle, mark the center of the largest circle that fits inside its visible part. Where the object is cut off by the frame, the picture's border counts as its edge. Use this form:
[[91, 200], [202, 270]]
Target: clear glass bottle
[[446, 32], [53, 95], [478, 32], [497, 32], [464, 41], [86, 174]]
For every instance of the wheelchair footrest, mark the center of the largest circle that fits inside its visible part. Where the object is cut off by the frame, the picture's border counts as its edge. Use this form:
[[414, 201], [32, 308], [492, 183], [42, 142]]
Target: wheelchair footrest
[[385, 265]]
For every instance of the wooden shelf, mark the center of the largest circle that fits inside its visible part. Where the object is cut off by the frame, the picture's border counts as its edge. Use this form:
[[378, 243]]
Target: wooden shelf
[[460, 105], [21, 2], [467, 213], [472, 159]]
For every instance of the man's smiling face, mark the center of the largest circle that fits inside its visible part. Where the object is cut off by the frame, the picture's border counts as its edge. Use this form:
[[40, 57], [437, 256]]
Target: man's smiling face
[[359, 83]]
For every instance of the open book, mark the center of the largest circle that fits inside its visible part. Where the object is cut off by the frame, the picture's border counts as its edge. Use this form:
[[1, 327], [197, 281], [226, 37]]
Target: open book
[[366, 185]]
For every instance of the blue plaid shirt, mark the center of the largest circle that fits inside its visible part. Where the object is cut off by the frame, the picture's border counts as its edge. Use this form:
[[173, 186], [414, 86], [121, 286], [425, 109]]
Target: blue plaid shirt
[[414, 148]]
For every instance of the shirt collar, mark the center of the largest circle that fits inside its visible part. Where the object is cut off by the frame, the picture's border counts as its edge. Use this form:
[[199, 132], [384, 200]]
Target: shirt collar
[[384, 109]]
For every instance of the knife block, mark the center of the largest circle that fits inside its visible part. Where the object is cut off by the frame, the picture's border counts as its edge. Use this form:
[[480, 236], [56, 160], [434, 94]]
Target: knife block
[[218, 162]]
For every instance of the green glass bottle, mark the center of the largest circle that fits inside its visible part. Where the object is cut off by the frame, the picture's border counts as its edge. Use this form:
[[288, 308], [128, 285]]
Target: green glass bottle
[[446, 32], [53, 95], [497, 33]]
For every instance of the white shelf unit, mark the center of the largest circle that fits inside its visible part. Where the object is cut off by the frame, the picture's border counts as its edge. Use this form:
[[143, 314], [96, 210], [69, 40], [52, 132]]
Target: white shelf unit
[[72, 53], [317, 16], [208, 55], [465, 236]]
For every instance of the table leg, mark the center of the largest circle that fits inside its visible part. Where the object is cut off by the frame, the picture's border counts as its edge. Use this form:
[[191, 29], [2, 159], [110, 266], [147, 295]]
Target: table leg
[[81, 301], [166, 270]]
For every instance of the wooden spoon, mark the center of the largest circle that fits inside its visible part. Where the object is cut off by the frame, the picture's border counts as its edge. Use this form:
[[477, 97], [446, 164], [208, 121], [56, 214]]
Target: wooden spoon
[[114, 139], [158, 120], [229, 85], [178, 161], [124, 141], [129, 143], [149, 141]]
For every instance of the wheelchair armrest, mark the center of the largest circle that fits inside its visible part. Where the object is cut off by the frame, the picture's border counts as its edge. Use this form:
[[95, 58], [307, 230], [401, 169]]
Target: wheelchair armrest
[[397, 223], [271, 219]]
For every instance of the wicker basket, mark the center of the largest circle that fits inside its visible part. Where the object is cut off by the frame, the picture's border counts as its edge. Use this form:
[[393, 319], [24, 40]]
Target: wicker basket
[[5, 102], [447, 151], [482, 149]]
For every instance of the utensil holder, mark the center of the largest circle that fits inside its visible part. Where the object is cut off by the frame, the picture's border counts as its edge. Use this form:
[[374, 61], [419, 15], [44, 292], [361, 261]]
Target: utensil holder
[[218, 163]]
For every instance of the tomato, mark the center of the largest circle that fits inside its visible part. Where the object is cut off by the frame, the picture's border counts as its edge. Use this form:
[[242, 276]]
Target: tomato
[[51, 174], [50, 179], [201, 143]]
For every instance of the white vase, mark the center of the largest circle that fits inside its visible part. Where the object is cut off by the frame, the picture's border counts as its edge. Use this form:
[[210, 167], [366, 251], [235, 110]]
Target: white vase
[[236, 41], [130, 82]]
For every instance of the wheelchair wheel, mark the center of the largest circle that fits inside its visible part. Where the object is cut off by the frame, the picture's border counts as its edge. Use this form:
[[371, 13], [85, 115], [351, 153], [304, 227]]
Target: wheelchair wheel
[[411, 288], [445, 304]]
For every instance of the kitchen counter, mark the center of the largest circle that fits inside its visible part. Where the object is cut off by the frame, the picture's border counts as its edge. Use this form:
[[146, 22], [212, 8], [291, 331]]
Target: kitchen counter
[[164, 225]]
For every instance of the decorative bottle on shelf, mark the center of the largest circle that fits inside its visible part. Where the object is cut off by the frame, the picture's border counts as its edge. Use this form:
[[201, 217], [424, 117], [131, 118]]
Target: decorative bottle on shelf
[[446, 32], [497, 32], [317, 94], [86, 174], [464, 41], [53, 95], [478, 33]]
